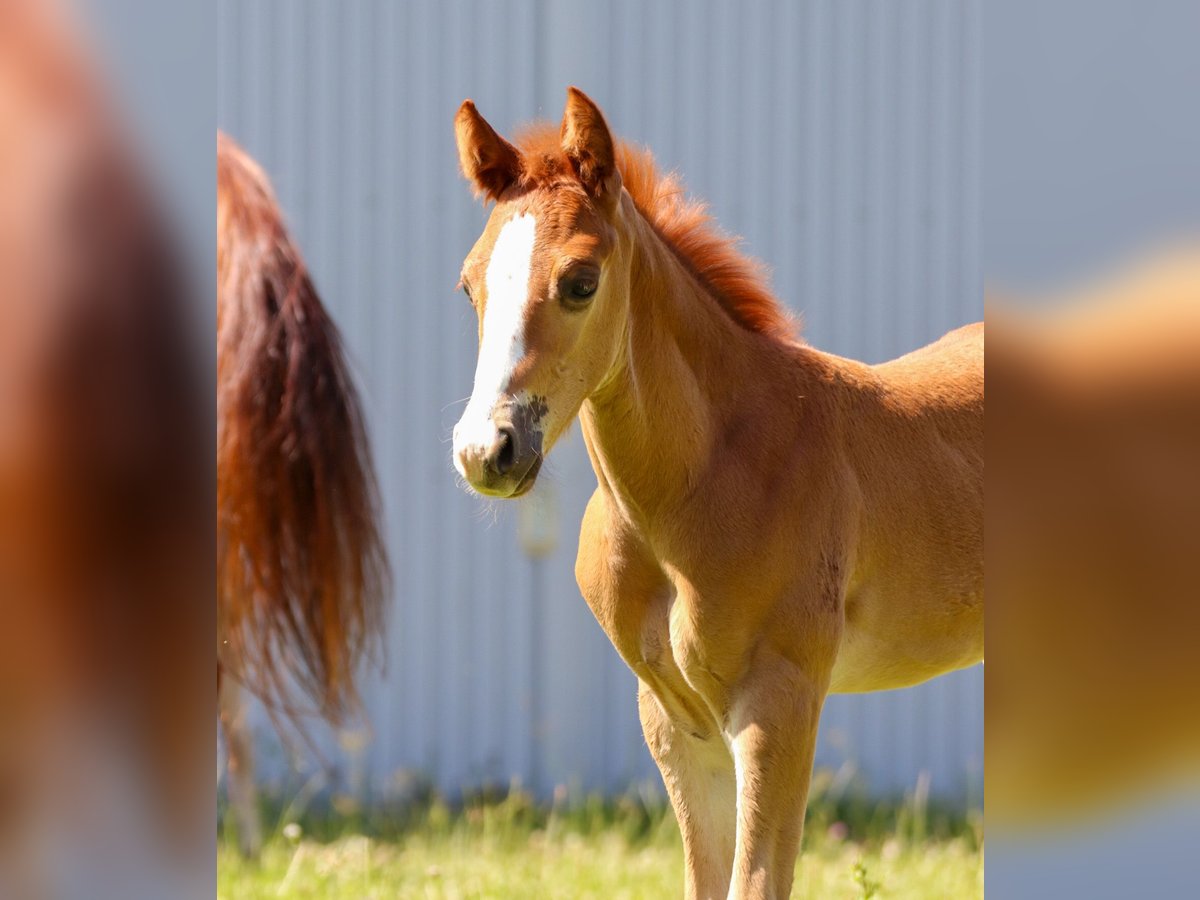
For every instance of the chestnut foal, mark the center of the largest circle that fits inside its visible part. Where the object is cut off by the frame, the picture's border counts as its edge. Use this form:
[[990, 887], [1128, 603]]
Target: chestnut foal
[[771, 523]]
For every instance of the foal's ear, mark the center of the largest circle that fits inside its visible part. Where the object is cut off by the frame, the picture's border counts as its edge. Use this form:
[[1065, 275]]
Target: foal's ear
[[490, 162], [589, 146]]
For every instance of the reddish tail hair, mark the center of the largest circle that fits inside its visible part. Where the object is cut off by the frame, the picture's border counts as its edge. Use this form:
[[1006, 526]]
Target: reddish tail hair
[[301, 570]]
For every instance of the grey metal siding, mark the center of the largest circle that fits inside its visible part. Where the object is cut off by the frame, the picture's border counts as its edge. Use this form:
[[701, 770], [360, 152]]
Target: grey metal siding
[[840, 138]]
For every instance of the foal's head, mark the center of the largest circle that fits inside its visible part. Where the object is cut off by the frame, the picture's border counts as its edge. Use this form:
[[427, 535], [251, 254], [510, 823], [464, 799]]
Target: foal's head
[[549, 288]]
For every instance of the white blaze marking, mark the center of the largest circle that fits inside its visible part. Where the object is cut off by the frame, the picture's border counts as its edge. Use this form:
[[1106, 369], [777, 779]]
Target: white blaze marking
[[507, 298], [503, 343]]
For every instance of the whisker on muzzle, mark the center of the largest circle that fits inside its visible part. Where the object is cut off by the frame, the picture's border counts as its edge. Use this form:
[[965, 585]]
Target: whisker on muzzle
[[487, 505], [466, 399]]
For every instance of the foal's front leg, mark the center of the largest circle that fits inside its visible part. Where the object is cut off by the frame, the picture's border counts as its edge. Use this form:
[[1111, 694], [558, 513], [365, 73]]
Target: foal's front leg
[[773, 726], [698, 773]]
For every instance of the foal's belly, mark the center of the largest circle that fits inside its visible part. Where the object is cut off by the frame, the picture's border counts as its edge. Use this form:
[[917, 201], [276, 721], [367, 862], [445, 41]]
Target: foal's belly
[[878, 652]]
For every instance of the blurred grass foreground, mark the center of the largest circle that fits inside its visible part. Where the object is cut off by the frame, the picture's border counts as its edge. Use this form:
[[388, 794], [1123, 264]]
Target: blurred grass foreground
[[509, 846]]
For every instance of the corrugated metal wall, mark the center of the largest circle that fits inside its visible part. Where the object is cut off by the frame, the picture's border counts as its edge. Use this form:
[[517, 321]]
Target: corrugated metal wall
[[839, 137]]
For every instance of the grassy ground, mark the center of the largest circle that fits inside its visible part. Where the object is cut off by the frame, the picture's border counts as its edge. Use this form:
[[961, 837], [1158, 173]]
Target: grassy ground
[[504, 848]]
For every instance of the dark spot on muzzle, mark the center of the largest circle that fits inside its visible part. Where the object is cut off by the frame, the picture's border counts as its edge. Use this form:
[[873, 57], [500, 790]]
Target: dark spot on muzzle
[[536, 410], [516, 459]]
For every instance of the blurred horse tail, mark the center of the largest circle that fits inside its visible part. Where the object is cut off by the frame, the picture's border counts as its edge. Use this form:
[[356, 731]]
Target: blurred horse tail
[[301, 569]]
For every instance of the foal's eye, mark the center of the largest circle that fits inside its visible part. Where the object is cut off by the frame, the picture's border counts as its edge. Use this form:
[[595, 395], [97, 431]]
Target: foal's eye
[[466, 289], [583, 288], [577, 289]]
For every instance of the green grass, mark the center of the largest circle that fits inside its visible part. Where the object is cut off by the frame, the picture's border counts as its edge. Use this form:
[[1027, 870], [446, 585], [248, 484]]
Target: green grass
[[506, 846]]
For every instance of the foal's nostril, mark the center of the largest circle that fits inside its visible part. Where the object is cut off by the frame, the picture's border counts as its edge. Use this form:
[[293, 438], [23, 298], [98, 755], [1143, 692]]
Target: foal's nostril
[[505, 453]]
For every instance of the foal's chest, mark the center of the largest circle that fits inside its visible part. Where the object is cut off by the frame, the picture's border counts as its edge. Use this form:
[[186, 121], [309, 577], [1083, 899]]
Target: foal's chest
[[651, 624]]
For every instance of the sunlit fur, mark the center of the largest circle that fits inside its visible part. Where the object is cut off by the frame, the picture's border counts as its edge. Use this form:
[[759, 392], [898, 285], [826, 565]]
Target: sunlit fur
[[771, 522], [301, 569]]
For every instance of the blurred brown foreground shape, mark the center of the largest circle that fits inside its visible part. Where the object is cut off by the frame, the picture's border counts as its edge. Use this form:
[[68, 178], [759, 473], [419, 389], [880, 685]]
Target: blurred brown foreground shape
[[106, 496], [1093, 545]]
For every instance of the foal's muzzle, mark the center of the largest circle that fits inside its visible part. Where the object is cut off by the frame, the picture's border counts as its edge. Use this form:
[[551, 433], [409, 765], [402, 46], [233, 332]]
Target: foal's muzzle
[[500, 458]]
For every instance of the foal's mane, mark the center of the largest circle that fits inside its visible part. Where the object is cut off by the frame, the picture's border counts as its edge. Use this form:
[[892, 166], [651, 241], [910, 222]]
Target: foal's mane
[[739, 282]]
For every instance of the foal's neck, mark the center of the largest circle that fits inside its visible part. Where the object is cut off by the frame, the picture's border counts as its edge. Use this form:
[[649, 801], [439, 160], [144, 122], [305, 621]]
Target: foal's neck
[[688, 378]]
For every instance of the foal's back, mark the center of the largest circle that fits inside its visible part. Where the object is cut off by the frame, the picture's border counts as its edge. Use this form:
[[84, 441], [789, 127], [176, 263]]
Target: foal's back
[[945, 375]]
